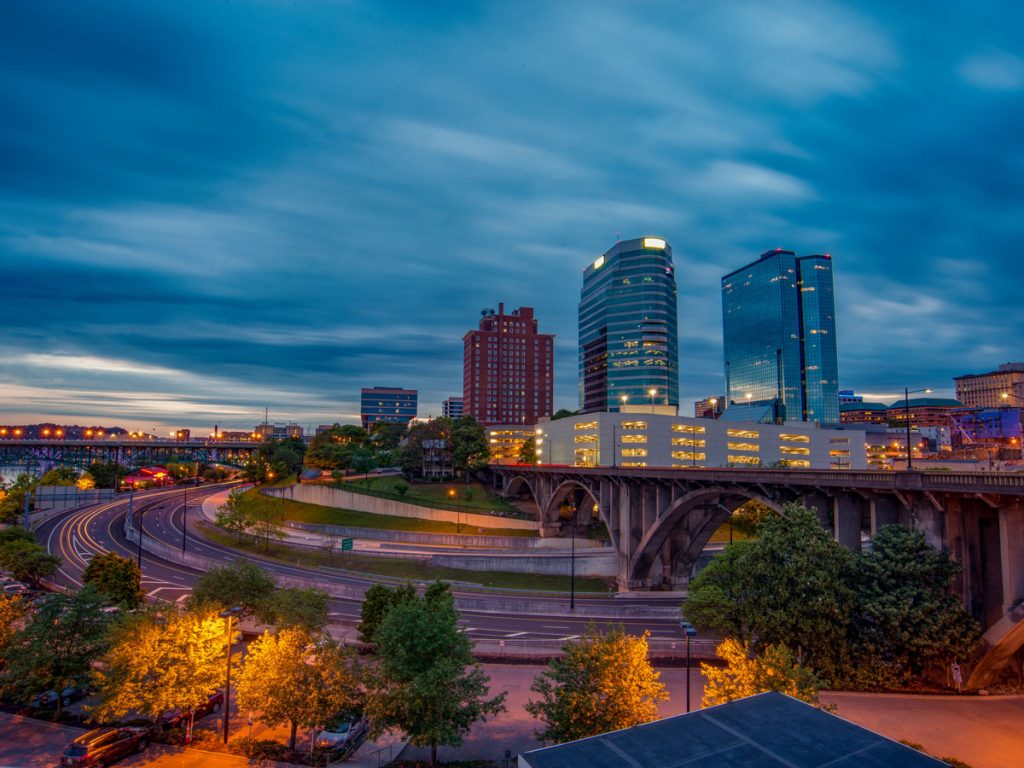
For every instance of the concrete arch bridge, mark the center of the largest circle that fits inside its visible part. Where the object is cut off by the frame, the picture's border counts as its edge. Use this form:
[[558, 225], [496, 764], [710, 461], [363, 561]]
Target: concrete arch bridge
[[661, 519]]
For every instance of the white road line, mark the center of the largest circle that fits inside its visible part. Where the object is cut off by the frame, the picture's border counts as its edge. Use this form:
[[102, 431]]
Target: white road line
[[517, 634], [555, 626], [569, 637], [470, 629]]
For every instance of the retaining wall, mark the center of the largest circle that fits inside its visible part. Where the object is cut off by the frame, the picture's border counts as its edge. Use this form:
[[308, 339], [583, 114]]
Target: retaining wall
[[447, 539], [326, 496]]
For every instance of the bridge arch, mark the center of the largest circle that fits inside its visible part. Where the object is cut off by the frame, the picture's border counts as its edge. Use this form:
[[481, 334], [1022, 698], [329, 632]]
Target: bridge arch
[[515, 486], [685, 528], [562, 492]]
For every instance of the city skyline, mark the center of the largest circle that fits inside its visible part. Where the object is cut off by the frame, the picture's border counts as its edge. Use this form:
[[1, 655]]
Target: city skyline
[[215, 209]]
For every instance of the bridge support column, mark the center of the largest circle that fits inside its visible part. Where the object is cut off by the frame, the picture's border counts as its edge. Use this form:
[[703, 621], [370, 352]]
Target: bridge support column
[[931, 521], [846, 515], [1011, 541], [884, 510], [822, 505]]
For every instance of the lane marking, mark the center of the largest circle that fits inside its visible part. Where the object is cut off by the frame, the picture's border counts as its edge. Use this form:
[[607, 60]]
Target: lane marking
[[517, 634], [569, 637]]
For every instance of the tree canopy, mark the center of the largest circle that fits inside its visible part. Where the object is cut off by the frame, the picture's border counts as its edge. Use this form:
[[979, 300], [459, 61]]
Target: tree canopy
[[426, 682], [241, 584], [159, 662], [296, 678], [27, 561], [746, 674], [117, 578], [603, 682], [378, 600]]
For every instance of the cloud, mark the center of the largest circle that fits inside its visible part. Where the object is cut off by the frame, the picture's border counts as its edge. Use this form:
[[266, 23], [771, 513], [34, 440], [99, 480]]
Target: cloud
[[994, 71], [731, 179]]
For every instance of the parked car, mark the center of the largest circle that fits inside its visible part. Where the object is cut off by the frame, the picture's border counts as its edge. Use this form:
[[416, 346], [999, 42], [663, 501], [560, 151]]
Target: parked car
[[175, 717], [345, 733], [104, 746], [70, 694]]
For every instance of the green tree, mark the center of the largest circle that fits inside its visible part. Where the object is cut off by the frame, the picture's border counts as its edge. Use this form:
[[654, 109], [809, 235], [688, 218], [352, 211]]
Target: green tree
[[326, 456], [59, 476], [241, 584], [562, 413], [15, 533], [791, 587], [297, 678], [293, 607], [528, 452], [232, 516], [106, 474], [413, 453], [426, 683], [378, 600], [27, 561], [54, 650], [470, 451], [907, 617], [12, 498], [159, 661], [602, 683], [744, 674], [117, 578], [386, 435], [265, 524]]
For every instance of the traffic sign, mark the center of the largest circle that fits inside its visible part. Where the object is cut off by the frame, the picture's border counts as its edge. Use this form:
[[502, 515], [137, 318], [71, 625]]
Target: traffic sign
[[346, 544]]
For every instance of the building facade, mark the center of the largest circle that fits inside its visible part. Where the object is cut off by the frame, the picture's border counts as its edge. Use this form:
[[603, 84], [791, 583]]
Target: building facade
[[863, 413], [779, 339], [992, 389], [506, 442], [660, 440], [508, 369], [709, 407], [267, 431], [452, 408], [924, 412], [387, 404], [628, 332]]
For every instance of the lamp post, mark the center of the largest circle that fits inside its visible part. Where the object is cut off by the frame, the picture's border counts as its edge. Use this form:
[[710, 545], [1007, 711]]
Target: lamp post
[[131, 516], [906, 407], [653, 392], [690, 631], [184, 519], [229, 614], [566, 506]]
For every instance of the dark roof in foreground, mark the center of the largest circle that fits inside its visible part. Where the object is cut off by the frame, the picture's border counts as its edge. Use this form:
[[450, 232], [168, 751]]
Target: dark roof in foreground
[[767, 730]]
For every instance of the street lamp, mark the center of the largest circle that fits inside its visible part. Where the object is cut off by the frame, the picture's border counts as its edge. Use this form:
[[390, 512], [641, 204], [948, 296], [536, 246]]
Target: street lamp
[[653, 392], [228, 614], [184, 518], [690, 631], [567, 506], [906, 404]]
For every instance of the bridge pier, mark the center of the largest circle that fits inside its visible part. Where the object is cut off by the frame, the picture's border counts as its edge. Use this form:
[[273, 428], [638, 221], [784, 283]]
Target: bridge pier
[[847, 513], [1011, 540], [883, 510]]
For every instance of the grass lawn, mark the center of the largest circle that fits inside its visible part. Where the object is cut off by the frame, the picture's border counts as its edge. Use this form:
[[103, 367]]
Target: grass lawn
[[300, 512], [401, 568], [473, 495]]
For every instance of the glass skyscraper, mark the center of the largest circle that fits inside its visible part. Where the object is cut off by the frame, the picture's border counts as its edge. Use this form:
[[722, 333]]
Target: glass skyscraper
[[628, 335], [779, 337]]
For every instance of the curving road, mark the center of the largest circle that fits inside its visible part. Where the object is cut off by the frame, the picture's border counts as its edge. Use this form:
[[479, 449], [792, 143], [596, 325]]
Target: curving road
[[78, 535]]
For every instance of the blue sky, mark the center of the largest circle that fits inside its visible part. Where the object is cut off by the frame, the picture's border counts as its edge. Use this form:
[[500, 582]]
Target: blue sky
[[208, 208]]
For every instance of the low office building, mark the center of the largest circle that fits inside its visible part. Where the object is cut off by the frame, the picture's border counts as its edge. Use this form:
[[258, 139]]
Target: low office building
[[987, 390], [452, 408], [863, 413], [390, 405], [655, 440]]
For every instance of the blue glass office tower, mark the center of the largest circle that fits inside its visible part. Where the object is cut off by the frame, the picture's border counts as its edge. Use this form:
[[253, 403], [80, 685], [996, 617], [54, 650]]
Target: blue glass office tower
[[628, 336], [779, 336]]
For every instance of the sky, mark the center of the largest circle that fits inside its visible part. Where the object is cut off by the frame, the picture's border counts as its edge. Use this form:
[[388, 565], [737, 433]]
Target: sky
[[211, 208]]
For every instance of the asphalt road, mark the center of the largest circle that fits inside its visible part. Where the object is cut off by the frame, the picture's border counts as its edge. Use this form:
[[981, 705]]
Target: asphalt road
[[79, 535]]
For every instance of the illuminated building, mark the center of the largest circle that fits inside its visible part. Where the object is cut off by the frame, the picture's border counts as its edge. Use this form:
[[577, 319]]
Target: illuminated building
[[507, 369], [506, 441], [387, 404], [628, 335], [779, 339], [452, 407], [709, 407], [987, 390], [863, 413]]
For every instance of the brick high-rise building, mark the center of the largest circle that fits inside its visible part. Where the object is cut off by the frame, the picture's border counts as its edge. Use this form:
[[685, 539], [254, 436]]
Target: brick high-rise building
[[507, 369], [1003, 386]]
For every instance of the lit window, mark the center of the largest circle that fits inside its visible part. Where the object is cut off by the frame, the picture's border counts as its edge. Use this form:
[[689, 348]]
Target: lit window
[[591, 438], [689, 442], [688, 428], [744, 447], [634, 438], [634, 463], [586, 425], [634, 425], [839, 453], [798, 463], [743, 459], [689, 455], [788, 450], [634, 452], [743, 433], [795, 438]]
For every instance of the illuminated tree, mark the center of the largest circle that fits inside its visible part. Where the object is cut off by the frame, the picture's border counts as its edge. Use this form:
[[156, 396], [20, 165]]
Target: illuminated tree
[[118, 578], [775, 669], [12, 612], [158, 662], [426, 683], [604, 682], [297, 678], [528, 452]]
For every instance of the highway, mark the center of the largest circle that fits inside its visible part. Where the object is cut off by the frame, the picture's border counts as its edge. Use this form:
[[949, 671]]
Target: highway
[[78, 535]]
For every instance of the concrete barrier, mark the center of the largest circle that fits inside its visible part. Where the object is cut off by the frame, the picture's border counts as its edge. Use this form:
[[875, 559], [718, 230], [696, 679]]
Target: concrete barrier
[[326, 496], [446, 539]]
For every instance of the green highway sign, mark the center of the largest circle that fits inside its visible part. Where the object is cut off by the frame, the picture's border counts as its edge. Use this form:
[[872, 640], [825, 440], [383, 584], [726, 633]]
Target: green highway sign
[[346, 544]]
